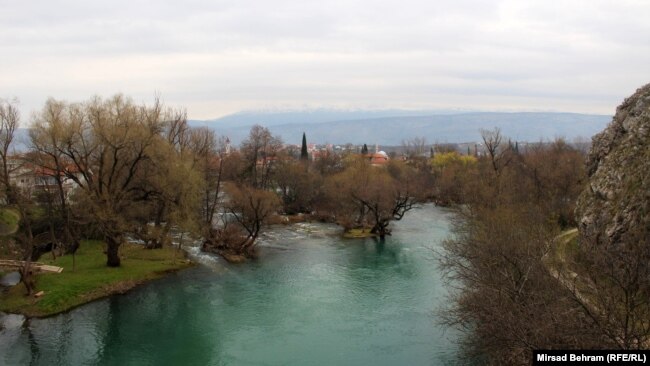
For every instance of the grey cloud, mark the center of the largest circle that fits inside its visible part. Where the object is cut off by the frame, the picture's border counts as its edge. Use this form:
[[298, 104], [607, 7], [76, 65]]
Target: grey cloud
[[584, 55]]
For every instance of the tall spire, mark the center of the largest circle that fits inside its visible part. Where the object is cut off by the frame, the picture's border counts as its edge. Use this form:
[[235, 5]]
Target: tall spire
[[303, 150]]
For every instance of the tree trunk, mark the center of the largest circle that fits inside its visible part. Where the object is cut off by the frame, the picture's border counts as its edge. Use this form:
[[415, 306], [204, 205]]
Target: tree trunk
[[381, 229], [27, 277], [72, 244], [26, 271], [112, 251], [180, 247], [157, 235], [247, 246]]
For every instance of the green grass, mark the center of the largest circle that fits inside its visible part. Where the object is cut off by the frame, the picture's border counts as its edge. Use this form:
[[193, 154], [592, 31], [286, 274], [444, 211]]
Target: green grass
[[8, 221], [92, 279], [359, 233]]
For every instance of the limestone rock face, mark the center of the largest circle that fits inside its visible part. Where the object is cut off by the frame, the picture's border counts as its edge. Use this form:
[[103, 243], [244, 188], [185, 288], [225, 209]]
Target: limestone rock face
[[616, 202]]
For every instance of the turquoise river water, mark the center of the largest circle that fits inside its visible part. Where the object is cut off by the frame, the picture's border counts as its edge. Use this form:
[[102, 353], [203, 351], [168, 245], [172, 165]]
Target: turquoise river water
[[312, 298]]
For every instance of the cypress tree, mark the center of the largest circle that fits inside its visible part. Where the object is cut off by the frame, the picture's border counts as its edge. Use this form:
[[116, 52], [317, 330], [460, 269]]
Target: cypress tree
[[303, 151], [364, 150]]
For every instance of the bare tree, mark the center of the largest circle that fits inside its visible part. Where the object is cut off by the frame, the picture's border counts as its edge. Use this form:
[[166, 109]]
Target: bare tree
[[416, 146], [502, 259], [367, 195], [612, 288], [251, 207], [177, 131], [503, 296], [259, 150], [497, 153], [9, 122], [248, 209]]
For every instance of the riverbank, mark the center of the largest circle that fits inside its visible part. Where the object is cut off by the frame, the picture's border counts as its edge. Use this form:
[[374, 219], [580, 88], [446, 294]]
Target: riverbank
[[354, 233], [92, 279], [359, 233]]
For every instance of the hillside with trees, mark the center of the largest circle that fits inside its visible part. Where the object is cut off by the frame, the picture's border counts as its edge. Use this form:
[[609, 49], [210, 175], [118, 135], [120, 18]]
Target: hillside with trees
[[524, 280]]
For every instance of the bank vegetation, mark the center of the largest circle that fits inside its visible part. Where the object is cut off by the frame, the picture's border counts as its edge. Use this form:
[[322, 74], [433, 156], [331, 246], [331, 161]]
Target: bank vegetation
[[521, 277], [112, 170]]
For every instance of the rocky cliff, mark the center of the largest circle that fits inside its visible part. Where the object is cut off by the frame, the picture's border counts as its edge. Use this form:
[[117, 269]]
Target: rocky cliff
[[615, 206]]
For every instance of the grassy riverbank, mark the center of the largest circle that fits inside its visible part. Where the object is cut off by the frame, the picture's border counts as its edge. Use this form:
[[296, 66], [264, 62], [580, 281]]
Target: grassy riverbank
[[91, 279], [359, 233]]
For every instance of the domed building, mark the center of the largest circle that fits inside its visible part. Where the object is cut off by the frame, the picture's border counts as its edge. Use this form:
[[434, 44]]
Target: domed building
[[379, 158]]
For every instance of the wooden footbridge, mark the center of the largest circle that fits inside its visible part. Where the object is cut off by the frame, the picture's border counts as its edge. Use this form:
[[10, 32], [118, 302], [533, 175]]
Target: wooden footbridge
[[38, 267]]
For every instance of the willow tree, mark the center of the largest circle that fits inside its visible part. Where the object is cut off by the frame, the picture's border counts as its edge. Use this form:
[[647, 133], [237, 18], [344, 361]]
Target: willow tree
[[210, 164], [171, 180], [172, 188], [118, 158]]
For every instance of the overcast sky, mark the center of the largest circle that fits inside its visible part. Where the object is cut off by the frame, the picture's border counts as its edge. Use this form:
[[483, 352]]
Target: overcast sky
[[218, 57]]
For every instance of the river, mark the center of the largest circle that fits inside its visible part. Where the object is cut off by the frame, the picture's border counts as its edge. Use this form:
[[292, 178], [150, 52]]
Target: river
[[312, 298]]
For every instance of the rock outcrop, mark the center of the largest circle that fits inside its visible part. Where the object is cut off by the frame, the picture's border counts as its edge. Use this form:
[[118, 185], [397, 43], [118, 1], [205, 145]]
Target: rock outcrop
[[615, 206]]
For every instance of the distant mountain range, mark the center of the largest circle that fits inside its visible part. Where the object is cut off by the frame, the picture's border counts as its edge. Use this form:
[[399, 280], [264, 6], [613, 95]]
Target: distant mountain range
[[392, 127]]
